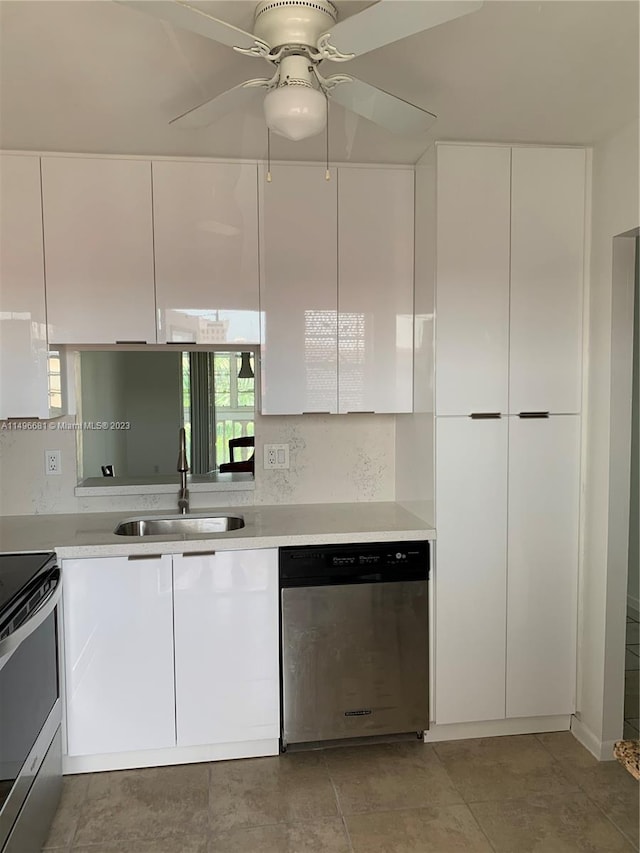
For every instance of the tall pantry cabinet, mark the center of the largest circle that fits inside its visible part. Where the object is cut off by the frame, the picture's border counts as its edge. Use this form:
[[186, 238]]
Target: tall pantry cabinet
[[509, 283]]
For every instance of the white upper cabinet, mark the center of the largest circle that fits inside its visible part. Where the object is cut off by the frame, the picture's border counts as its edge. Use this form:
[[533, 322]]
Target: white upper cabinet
[[298, 290], [118, 652], [98, 250], [23, 323], [547, 250], [206, 252], [470, 575], [472, 289], [544, 466], [336, 285], [375, 290], [510, 256], [226, 647]]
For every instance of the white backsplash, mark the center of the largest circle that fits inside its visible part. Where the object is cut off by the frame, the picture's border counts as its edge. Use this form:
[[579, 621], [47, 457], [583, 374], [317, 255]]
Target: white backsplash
[[333, 458], [24, 487]]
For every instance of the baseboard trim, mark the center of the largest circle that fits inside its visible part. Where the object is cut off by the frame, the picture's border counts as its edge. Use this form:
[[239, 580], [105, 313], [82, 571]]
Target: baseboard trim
[[498, 728], [602, 750], [171, 755]]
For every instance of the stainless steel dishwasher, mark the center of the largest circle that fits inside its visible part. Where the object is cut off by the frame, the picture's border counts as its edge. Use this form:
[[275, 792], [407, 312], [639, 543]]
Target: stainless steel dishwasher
[[354, 641]]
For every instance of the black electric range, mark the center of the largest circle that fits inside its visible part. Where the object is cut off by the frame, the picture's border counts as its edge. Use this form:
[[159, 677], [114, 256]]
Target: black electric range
[[25, 580], [30, 706]]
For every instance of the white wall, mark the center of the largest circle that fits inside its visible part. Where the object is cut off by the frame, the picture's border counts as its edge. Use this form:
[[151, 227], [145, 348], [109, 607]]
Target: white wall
[[153, 408], [415, 432], [604, 569], [103, 399], [340, 458], [633, 583], [141, 389]]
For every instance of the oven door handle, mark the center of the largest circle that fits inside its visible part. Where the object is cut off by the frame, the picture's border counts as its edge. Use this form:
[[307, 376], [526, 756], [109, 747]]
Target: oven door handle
[[9, 645]]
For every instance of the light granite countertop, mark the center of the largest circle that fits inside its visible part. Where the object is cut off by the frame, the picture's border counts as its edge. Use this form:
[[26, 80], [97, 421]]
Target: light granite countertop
[[91, 534]]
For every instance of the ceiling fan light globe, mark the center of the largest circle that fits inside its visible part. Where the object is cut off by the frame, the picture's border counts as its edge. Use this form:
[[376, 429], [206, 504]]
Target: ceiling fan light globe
[[295, 112]]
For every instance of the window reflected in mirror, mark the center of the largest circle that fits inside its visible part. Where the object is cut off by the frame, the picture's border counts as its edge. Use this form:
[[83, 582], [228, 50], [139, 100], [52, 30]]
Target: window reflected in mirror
[[218, 405], [55, 382], [133, 404]]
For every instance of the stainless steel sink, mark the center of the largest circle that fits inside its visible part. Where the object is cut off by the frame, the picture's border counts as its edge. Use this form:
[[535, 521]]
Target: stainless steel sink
[[179, 524]]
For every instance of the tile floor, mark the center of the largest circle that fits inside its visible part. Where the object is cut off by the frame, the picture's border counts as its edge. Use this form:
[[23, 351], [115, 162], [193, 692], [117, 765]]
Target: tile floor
[[631, 676], [542, 793]]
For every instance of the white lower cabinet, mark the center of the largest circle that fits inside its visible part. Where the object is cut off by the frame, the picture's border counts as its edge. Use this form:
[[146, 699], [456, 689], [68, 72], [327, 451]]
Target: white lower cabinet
[[507, 497], [544, 466], [169, 652], [471, 569], [226, 647], [118, 654]]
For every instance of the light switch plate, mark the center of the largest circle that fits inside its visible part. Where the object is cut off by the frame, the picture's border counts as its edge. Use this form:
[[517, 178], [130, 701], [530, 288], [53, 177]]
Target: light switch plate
[[276, 456]]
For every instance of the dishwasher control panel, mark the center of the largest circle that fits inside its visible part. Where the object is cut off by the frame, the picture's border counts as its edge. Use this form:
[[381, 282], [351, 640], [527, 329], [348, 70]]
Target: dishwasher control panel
[[358, 563]]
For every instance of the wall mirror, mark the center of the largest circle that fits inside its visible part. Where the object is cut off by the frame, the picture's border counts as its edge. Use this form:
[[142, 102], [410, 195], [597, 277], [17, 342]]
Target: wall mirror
[[131, 405]]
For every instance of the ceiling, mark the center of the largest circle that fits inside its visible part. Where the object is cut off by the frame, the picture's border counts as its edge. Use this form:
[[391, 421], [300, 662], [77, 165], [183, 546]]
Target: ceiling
[[99, 77]]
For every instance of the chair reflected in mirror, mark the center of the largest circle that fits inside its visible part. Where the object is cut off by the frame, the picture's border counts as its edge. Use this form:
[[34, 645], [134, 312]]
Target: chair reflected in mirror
[[246, 465]]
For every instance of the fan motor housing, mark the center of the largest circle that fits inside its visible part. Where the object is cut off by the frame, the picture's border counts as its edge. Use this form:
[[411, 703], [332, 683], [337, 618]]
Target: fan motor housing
[[282, 22]]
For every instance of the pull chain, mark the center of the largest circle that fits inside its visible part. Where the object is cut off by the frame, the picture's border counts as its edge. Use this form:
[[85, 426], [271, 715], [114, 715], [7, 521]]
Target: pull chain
[[327, 174], [268, 156]]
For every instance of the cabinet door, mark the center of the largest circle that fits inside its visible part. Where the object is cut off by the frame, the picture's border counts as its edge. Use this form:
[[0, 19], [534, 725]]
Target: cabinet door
[[205, 218], [544, 465], [471, 571], [375, 290], [298, 291], [226, 647], [23, 322], [118, 654], [547, 250], [472, 279], [98, 246]]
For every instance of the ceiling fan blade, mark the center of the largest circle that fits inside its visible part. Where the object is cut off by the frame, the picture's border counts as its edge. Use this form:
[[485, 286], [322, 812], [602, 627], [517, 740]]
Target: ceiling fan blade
[[213, 109], [189, 18], [390, 20], [382, 108]]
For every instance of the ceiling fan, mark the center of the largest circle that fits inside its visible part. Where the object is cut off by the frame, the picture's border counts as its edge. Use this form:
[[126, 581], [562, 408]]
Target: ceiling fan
[[296, 36]]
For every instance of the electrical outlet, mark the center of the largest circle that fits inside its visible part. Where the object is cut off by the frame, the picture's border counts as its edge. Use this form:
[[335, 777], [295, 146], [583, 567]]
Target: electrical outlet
[[52, 462], [276, 456]]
